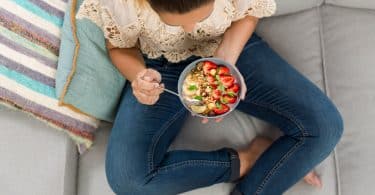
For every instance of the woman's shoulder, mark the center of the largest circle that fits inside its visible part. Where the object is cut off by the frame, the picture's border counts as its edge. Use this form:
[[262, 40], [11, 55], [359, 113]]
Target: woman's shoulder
[[124, 12], [257, 8]]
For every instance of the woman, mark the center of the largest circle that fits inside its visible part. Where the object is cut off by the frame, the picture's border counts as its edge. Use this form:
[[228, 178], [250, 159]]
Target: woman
[[150, 42]]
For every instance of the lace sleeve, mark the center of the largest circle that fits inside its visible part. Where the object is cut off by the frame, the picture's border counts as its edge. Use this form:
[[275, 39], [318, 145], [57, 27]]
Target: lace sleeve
[[117, 20], [256, 8]]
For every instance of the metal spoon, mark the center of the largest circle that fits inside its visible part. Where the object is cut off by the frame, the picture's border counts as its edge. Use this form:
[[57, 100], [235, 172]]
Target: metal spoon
[[171, 92]]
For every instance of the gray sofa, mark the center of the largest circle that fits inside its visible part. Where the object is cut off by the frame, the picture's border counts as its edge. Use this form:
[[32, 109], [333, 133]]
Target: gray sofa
[[332, 42]]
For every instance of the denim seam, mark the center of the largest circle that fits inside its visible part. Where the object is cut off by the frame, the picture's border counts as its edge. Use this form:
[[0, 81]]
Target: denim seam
[[279, 164], [185, 164], [191, 163], [157, 137], [194, 162], [289, 153]]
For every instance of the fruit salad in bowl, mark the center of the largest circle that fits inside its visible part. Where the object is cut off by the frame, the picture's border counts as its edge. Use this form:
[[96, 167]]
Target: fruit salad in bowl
[[213, 85]]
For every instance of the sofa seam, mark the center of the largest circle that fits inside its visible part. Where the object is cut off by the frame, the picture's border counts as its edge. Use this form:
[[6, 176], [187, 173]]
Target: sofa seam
[[65, 166], [68, 143], [348, 7], [326, 89], [78, 160]]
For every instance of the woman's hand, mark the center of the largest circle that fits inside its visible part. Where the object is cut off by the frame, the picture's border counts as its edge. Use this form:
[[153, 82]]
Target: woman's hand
[[146, 86]]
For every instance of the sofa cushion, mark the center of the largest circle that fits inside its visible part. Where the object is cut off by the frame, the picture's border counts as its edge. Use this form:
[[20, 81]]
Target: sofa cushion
[[296, 38], [34, 159], [365, 4], [293, 6], [349, 39]]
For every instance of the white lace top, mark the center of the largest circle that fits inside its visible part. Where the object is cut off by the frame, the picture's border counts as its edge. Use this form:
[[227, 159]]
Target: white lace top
[[127, 25]]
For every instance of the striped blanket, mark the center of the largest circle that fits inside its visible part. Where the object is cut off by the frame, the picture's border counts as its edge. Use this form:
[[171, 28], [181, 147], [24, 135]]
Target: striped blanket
[[29, 47]]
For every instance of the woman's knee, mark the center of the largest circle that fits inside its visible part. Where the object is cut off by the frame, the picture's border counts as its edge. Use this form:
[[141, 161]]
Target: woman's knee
[[326, 128]]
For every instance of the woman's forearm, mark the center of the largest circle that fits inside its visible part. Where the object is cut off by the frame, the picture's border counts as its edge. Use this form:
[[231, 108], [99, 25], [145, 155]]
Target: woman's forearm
[[236, 37], [129, 61]]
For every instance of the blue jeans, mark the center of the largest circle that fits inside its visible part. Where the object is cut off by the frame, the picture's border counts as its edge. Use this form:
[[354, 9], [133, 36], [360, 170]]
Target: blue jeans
[[137, 160]]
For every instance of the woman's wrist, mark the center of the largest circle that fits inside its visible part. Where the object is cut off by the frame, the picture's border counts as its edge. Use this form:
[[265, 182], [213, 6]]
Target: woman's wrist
[[235, 38], [229, 50]]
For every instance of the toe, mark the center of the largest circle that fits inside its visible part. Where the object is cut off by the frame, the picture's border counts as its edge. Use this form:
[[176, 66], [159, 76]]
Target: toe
[[313, 179]]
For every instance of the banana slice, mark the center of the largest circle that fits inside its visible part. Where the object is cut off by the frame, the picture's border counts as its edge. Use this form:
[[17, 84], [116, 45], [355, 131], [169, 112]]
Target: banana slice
[[198, 109], [189, 90]]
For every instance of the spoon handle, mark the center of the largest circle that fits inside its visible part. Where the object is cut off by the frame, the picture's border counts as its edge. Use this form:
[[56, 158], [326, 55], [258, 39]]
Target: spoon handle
[[171, 92]]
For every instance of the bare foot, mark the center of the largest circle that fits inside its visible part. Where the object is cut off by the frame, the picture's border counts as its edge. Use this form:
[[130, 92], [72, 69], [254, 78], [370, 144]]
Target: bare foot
[[313, 179], [252, 152]]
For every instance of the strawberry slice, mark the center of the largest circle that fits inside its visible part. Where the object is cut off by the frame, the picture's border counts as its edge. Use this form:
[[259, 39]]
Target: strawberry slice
[[227, 99], [226, 80], [234, 89], [223, 70], [216, 94], [208, 66], [221, 109]]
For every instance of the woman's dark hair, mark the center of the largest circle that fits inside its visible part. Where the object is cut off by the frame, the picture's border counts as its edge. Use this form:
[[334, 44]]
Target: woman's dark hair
[[176, 6]]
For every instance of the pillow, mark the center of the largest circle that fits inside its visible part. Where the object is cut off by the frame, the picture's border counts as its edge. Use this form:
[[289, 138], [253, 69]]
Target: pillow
[[86, 79], [29, 47]]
